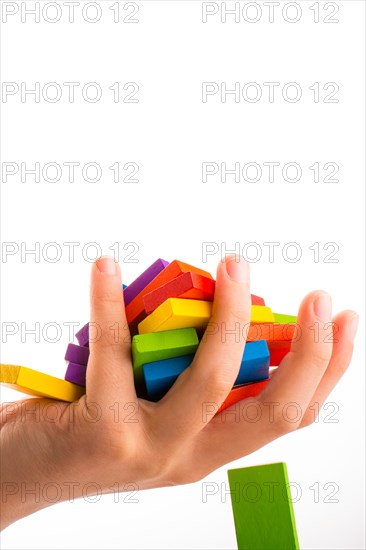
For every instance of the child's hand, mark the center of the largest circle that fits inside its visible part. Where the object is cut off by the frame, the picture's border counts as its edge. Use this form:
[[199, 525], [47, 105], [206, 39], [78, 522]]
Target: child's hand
[[110, 440]]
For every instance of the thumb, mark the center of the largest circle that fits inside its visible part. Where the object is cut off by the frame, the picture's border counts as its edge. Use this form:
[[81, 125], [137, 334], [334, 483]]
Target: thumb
[[109, 373]]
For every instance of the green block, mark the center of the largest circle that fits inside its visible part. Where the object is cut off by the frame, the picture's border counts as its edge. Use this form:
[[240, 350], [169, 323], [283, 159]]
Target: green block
[[262, 507], [156, 346], [283, 319]]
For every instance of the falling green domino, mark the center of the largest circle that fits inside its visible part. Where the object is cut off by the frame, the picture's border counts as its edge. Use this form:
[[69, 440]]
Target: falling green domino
[[283, 319], [156, 346], [262, 507]]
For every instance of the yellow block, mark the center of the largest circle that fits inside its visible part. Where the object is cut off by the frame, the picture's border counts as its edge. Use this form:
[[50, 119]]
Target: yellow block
[[177, 313], [38, 383], [261, 314]]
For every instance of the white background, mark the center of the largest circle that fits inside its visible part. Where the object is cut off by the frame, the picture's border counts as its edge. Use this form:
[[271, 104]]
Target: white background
[[170, 212]]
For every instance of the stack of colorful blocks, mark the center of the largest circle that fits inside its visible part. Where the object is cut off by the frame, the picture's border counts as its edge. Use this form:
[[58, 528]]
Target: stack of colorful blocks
[[168, 308]]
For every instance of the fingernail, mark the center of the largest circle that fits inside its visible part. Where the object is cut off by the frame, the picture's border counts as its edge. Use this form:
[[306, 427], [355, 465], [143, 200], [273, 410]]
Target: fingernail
[[237, 268], [352, 326], [106, 264], [323, 306]]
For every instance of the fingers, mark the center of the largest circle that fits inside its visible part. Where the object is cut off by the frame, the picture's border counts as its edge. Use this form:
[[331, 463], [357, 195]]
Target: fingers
[[300, 372], [345, 328], [280, 407], [109, 373], [218, 358]]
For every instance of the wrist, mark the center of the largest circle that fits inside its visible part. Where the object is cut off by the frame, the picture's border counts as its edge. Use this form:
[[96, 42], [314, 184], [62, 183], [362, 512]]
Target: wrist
[[35, 461]]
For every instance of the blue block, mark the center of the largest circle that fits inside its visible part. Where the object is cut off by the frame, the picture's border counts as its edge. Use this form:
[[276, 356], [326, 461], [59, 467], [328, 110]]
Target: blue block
[[255, 363], [161, 375], [124, 286]]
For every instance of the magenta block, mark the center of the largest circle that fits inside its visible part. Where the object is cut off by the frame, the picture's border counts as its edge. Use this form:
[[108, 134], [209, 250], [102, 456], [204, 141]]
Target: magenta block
[[77, 354], [82, 335], [76, 374], [143, 280]]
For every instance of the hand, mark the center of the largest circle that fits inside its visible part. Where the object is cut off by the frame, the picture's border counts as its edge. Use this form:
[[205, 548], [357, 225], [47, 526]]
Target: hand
[[110, 440]]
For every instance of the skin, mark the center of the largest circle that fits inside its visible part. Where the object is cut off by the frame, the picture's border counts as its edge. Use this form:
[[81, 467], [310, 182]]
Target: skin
[[113, 439]]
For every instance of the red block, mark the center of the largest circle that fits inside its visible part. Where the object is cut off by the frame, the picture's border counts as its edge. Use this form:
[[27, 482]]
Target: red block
[[277, 351], [188, 285], [135, 311], [257, 300], [243, 392]]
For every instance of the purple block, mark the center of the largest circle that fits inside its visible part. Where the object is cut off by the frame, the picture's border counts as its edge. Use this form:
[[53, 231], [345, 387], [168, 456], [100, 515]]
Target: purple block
[[77, 354], [83, 335], [76, 374], [129, 293], [143, 280]]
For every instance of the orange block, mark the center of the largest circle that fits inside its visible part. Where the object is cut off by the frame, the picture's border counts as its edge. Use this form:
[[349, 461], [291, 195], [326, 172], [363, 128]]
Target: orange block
[[135, 311], [271, 332], [242, 392]]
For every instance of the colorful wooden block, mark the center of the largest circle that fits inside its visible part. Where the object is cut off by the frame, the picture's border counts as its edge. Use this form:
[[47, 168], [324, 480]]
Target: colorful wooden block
[[160, 375], [262, 508], [161, 345], [135, 311], [37, 383], [261, 314], [283, 318], [187, 285], [257, 300], [76, 374], [77, 354], [255, 363], [243, 392], [271, 332], [177, 313], [82, 335], [277, 351], [139, 284]]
